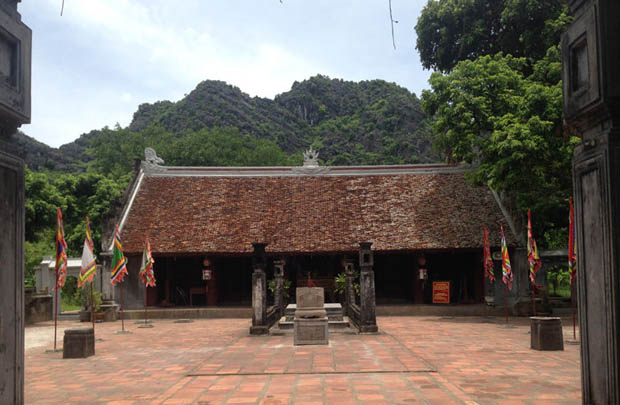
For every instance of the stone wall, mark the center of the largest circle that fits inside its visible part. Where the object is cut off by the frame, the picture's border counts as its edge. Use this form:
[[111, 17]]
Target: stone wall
[[38, 308]]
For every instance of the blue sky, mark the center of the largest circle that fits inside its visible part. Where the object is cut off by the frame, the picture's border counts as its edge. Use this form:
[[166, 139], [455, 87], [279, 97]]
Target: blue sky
[[93, 66]]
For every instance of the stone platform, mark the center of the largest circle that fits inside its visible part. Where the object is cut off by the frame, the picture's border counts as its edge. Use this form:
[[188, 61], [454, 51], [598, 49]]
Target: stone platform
[[335, 319]]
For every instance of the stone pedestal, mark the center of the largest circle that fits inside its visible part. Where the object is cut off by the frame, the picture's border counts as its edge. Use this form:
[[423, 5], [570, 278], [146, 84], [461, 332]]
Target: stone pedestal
[[310, 323], [110, 312], [78, 343], [546, 333], [312, 331]]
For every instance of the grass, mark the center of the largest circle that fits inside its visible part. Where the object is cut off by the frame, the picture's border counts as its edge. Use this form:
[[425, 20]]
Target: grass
[[562, 291], [69, 305]]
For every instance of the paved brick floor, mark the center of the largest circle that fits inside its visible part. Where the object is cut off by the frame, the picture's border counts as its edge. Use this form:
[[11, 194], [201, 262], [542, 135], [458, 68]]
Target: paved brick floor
[[414, 360]]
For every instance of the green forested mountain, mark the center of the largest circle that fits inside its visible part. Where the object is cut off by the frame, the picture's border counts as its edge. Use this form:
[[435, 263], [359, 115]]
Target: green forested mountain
[[370, 122], [350, 123]]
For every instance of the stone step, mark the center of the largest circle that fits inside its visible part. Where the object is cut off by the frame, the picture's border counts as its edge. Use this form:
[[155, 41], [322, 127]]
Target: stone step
[[334, 312], [285, 325]]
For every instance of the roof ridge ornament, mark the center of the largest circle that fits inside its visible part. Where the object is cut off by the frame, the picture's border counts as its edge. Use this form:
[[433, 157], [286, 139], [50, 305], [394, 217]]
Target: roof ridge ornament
[[311, 164], [152, 162], [311, 158]]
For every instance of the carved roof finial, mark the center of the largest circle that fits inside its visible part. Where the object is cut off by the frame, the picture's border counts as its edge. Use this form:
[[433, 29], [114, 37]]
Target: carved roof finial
[[311, 158], [150, 156]]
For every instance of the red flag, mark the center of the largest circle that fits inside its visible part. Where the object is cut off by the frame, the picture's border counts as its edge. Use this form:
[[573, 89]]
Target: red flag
[[572, 250], [507, 276], [61, 252], [533, 258], [146, 273], [487, 260]]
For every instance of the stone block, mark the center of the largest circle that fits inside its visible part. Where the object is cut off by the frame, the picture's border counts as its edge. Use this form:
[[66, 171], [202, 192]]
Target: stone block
[[310, 297], [78, 343], [546, 333], [109, 312], [311, 331], [38, 308]]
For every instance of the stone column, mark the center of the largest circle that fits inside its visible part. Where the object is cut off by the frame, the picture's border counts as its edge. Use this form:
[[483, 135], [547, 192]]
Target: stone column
[[591, 80], [259, 291], [349, 297], [15, 52], [520, 298], [368, 321], [278, 294]]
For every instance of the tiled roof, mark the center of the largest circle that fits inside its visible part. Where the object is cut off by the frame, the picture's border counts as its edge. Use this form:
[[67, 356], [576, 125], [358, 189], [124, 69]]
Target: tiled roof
[[225, 214]]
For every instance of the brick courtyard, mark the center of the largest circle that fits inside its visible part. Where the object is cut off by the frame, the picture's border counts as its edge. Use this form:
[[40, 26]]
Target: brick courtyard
[[414, 360]]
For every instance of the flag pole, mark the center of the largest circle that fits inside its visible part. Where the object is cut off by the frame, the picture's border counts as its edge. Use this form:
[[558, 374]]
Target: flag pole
[[506, 302], [92, 305], [572, 296], [534, 297], [122, 317], [146, 288], [56, 312]]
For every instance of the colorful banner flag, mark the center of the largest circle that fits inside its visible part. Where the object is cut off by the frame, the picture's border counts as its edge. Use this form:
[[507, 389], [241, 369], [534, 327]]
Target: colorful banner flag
[[119, 262], [506, 269], [61, 252], [533, 258], [487, 260], [89, 262], [146, 273], [572, 250]]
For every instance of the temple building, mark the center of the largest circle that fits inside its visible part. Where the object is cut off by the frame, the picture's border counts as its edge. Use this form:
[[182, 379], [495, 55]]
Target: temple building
[[424, 222]]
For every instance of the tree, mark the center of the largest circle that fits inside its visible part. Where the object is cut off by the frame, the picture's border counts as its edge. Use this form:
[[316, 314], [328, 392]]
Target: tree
[[450, 31], [491, 113]]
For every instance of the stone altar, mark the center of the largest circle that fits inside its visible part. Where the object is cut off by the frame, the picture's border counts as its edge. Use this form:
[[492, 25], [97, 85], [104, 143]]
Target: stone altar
[[310, 323]]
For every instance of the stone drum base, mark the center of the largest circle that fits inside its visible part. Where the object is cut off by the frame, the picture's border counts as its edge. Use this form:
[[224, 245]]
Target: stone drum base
[[78, 343], [546, 333], [311, 331]]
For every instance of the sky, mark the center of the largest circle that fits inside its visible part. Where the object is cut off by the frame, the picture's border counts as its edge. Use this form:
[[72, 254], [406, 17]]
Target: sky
[[94, 65]]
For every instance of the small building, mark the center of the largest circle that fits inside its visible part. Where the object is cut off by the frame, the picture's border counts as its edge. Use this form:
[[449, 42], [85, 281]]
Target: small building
[[421, 219]]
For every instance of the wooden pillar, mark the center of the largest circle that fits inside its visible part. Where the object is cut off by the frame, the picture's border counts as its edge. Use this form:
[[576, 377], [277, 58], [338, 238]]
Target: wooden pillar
[[368, 319], [259, 291], [591, 80]]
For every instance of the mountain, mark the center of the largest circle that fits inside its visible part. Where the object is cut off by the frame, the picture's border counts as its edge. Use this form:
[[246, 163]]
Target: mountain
[[39, 156], [368, 122]]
